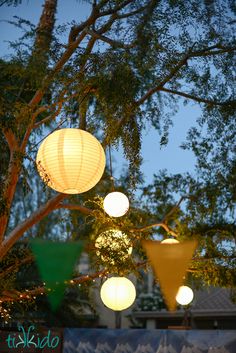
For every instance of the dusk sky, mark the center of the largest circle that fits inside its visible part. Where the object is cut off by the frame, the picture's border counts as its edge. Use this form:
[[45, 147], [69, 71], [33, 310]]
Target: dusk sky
[[171, 157]]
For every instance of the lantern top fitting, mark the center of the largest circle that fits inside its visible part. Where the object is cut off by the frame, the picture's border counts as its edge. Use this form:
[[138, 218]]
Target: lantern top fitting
[[71, 161]]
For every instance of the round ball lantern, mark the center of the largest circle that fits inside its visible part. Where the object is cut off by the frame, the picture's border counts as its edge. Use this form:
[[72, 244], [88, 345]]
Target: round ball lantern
[[113, 242], [71, 161], [184, 295], [116, 204], [170, 241], [118, 293]]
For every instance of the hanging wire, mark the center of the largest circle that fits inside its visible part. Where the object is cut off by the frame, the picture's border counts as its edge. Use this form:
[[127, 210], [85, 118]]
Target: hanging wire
[[111, 171], [56, 128]]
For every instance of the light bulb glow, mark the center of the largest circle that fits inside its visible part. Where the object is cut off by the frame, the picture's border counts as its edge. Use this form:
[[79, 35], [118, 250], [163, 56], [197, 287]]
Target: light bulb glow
[[185, 295], [113, 242], [71, 161], [116, 204], [170, 241], [118, 293]]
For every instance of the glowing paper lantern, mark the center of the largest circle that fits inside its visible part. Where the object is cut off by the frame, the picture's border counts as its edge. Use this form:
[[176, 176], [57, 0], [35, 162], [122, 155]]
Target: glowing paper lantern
[[71, 161], [118, 293], [169, 241], [184, 295], [112, 242], [116, 204]]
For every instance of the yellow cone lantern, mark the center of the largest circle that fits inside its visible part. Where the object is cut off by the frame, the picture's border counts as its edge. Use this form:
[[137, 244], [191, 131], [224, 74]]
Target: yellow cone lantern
[[116, 204], [184, 295], [71, 161], [118, 293]]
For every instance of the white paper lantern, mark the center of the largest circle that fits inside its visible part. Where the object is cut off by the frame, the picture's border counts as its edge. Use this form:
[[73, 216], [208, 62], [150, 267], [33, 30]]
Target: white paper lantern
[[116, 204], [113, 241], [169, 241], [118, 293], [184, 295], [71, 161]]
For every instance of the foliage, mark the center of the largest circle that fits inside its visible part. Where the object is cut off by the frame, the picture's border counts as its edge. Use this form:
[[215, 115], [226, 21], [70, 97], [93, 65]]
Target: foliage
[[124, 70]]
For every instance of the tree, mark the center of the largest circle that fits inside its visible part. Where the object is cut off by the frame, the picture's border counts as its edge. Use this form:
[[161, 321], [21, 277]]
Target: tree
[[126, 66]]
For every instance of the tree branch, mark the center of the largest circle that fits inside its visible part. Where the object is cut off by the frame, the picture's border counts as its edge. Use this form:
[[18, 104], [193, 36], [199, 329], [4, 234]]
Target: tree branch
[[50, 117], [121, 5], [111, 42], [11, 296], [10, 138], [189, 96], [174, 208], [80, 208], [210, 51], [163, 221], [43, 211], [168, 77], [15, 266], [14, 295], [9, 188], [149, 226]]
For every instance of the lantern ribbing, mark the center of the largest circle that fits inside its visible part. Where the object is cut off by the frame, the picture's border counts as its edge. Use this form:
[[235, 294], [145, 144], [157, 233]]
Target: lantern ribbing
[[71, 161], [118, 293]]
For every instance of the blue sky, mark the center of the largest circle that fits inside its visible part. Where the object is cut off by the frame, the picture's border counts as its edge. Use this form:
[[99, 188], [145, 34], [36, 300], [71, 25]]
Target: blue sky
[[171, 157]]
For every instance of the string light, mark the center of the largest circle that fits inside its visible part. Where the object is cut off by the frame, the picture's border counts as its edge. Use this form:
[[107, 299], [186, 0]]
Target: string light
[[5, 313], [111, 241]]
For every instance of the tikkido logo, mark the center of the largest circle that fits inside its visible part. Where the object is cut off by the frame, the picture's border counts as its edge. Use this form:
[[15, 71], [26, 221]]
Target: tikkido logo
[[27, 339]]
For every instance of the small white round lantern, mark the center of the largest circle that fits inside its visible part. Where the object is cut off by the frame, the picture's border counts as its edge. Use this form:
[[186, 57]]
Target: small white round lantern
[[113, 241], [170, 241], [116, 204], [118, 293], [71, 161], [184, 295]]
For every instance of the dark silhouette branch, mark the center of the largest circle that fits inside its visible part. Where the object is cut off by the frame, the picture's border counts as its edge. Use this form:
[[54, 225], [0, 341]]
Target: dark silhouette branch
[[42, 212], [190, 96]]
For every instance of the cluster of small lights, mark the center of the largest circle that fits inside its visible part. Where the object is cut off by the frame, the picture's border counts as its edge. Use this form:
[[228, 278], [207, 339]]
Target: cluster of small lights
[[5, 313]]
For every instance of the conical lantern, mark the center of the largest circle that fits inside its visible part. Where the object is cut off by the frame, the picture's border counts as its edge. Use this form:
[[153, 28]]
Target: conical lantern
[[71, 161]]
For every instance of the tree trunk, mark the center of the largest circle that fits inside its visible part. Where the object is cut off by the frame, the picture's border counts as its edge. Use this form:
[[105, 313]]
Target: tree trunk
[[43, 40], [39, 60]]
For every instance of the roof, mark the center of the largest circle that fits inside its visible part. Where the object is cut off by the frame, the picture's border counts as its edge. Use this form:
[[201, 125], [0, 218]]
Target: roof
[[213, 298], [213, 301]]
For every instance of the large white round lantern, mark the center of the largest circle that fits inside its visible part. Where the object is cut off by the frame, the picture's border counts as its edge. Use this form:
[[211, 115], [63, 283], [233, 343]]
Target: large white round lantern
[[113, 242], [118, 293], [116, 204], [184, 295], [71, 161], [170, 241]]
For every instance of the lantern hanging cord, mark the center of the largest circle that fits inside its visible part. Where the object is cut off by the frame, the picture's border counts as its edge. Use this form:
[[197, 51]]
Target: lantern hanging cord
[[36, 144], [110, 165]]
